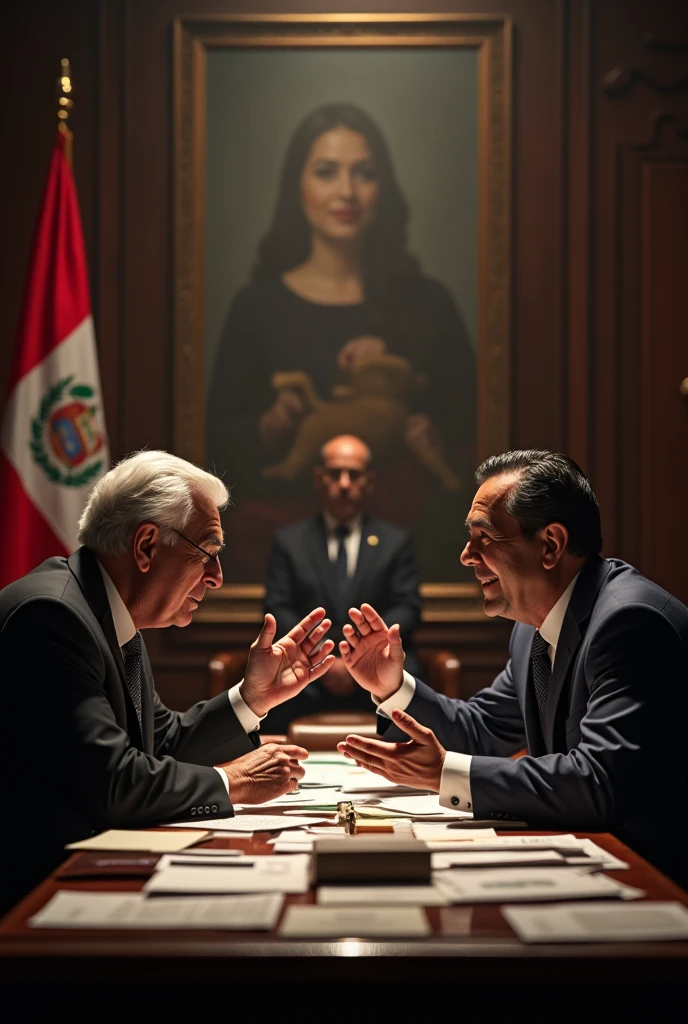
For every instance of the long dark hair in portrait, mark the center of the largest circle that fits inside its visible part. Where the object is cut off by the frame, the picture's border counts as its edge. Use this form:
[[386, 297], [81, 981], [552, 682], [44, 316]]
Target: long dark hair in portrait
[[388, 268]]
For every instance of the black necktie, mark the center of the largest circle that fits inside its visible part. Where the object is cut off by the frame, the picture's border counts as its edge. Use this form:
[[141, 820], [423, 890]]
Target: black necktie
[[542, 673], [341, 565], [132, 670]]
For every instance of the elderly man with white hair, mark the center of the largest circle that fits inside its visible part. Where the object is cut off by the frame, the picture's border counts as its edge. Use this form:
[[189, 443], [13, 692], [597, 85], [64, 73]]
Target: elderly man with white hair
[[88, 744]]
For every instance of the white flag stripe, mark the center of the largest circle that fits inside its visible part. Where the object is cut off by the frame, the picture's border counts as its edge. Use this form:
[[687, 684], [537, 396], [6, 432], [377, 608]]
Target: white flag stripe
[[61, 505]]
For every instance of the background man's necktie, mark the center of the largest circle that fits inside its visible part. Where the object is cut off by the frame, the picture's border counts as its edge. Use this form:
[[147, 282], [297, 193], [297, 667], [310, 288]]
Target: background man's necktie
[[542, 673], [132, 670], [341, 565]]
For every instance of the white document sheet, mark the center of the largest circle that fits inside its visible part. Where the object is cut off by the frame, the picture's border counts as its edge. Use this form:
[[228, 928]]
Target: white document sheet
[[304, 798], [381, 895], [172, 860], [595, 853], [494, 858], [594, 922], [303, 847], [132, 910], [495, 885], [441, 833], [255, 823], [146, 842], [422, 805], [354, 922], [255, 874]]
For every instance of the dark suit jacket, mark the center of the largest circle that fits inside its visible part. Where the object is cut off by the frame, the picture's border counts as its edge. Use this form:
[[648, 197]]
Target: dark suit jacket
[[300, 577], [73, 755], [613, 754]]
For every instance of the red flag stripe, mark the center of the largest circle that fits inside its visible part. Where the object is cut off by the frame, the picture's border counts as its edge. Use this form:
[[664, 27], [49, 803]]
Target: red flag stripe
[[56, 298], [29, 540]]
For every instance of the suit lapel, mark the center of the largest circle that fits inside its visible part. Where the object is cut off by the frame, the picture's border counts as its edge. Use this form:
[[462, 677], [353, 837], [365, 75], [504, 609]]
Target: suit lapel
[[316, 552], [84, 566], [367, 556], [583, 598]]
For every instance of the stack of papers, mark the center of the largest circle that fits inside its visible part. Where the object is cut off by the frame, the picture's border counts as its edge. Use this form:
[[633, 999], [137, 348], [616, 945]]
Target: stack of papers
[[133, 910], [494, 885], [354, 922], [592, 922], [244, 874], [381, 895], [469, 858]]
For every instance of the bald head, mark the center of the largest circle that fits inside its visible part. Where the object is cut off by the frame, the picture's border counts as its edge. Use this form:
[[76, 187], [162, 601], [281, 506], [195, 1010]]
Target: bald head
[[346, 446], [344, 476]]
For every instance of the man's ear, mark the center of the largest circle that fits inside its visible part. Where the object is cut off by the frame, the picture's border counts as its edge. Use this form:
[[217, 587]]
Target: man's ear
[[555, 539], [146, 542]]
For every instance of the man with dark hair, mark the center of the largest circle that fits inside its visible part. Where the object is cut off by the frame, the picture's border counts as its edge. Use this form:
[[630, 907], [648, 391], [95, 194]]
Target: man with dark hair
[[344, 556], [596, 686]]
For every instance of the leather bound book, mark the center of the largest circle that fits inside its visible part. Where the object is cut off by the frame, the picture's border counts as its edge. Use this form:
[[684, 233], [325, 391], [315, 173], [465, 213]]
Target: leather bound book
[[379, 859]]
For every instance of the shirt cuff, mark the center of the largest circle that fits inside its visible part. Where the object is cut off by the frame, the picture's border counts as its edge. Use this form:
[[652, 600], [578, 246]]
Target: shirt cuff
[[223, 775], [248, 721], [400, 699], [455, 784]]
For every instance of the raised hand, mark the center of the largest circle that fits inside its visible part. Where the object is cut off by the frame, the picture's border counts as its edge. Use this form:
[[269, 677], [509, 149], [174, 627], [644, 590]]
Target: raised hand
[[417, 763], [278, 671], [264, 773], [373, 653]]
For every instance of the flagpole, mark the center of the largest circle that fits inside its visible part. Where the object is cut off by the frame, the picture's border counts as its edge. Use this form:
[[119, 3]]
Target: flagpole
[[65, 103]]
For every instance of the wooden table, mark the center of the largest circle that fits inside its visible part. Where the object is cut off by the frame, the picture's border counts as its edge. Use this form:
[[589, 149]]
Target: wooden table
[[471, 946]]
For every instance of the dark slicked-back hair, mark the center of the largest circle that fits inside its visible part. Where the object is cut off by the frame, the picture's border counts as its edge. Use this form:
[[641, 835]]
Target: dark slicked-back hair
[[550, 488]]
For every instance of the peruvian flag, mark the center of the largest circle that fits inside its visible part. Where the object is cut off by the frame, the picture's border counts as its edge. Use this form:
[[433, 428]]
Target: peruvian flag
[[53, 446]]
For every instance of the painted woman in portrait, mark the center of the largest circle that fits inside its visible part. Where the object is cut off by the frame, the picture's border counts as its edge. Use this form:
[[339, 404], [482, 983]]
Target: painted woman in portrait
[[340, 331]]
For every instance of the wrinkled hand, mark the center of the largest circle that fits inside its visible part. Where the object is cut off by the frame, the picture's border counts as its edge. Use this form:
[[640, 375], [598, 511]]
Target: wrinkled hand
[[338, 680], [416, 763], [359, 350], [277, 671], [265, 773], [283, 416], [372, 653]]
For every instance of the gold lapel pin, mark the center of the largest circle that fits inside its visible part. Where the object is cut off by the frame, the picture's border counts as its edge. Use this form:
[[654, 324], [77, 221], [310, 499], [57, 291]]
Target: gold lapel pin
[[373, 540]]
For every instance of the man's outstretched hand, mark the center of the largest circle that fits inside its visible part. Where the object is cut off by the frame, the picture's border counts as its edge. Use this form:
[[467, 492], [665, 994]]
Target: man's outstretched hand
[[278, 671], [372, 653], [416, 763], [264, 773]]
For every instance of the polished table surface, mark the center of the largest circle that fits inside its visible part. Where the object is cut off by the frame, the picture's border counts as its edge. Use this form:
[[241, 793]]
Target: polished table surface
[[469, 943]]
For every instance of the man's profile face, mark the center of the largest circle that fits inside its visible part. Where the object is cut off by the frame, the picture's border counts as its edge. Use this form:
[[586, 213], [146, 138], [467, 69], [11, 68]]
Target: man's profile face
[[344, 479], [178, 578], [507, 565]]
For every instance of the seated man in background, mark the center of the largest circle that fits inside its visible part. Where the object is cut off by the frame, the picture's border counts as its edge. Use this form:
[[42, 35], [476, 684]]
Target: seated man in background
[[88, 744], [341, 557], [596, 686]]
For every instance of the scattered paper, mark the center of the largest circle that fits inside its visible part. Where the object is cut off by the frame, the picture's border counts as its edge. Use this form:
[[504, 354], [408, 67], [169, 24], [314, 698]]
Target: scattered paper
[[592, 922], [304, 798], [440, 833], [148, 842], [493, 885], [422, 805], [254, 874], [497, 858], [171, 860], [132, 910], [381, 895], [256, 823], [303, 847], [354, 922]]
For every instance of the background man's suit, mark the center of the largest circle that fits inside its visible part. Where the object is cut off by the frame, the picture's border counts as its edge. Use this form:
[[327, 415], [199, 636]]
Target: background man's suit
[[300, 576], [613, 754], [74, 759]]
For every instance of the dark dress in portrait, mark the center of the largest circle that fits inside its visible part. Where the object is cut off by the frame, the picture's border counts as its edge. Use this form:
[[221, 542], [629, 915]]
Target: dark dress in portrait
[[269, 328]]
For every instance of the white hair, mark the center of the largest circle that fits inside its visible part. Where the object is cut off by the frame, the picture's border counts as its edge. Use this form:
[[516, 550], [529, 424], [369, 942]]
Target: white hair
[[147, 486]]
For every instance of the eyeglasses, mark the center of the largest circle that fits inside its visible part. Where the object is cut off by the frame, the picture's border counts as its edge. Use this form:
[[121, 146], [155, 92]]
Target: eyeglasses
[[206, 554]]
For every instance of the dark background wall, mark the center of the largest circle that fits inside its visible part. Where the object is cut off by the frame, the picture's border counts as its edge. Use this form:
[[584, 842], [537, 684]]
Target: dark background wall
[[600, 250]]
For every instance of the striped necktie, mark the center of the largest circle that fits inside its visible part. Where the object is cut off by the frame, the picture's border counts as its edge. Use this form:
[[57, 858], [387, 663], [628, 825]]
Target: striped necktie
[[542, 673], [132, 670]]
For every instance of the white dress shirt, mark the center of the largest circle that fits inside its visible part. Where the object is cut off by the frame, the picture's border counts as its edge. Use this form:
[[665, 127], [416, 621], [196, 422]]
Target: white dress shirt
[[352, 542], [455, 783], [125, 630]]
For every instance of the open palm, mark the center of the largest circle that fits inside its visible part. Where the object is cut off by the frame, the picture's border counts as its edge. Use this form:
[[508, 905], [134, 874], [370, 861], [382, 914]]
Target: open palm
[[373, 653], [277, 671]]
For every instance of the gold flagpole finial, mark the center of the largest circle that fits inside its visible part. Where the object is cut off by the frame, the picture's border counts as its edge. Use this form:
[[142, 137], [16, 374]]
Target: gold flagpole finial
[[65, 103]]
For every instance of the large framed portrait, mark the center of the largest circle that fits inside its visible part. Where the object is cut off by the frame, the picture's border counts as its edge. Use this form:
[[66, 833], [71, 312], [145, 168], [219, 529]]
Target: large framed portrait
[[373, 150]]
